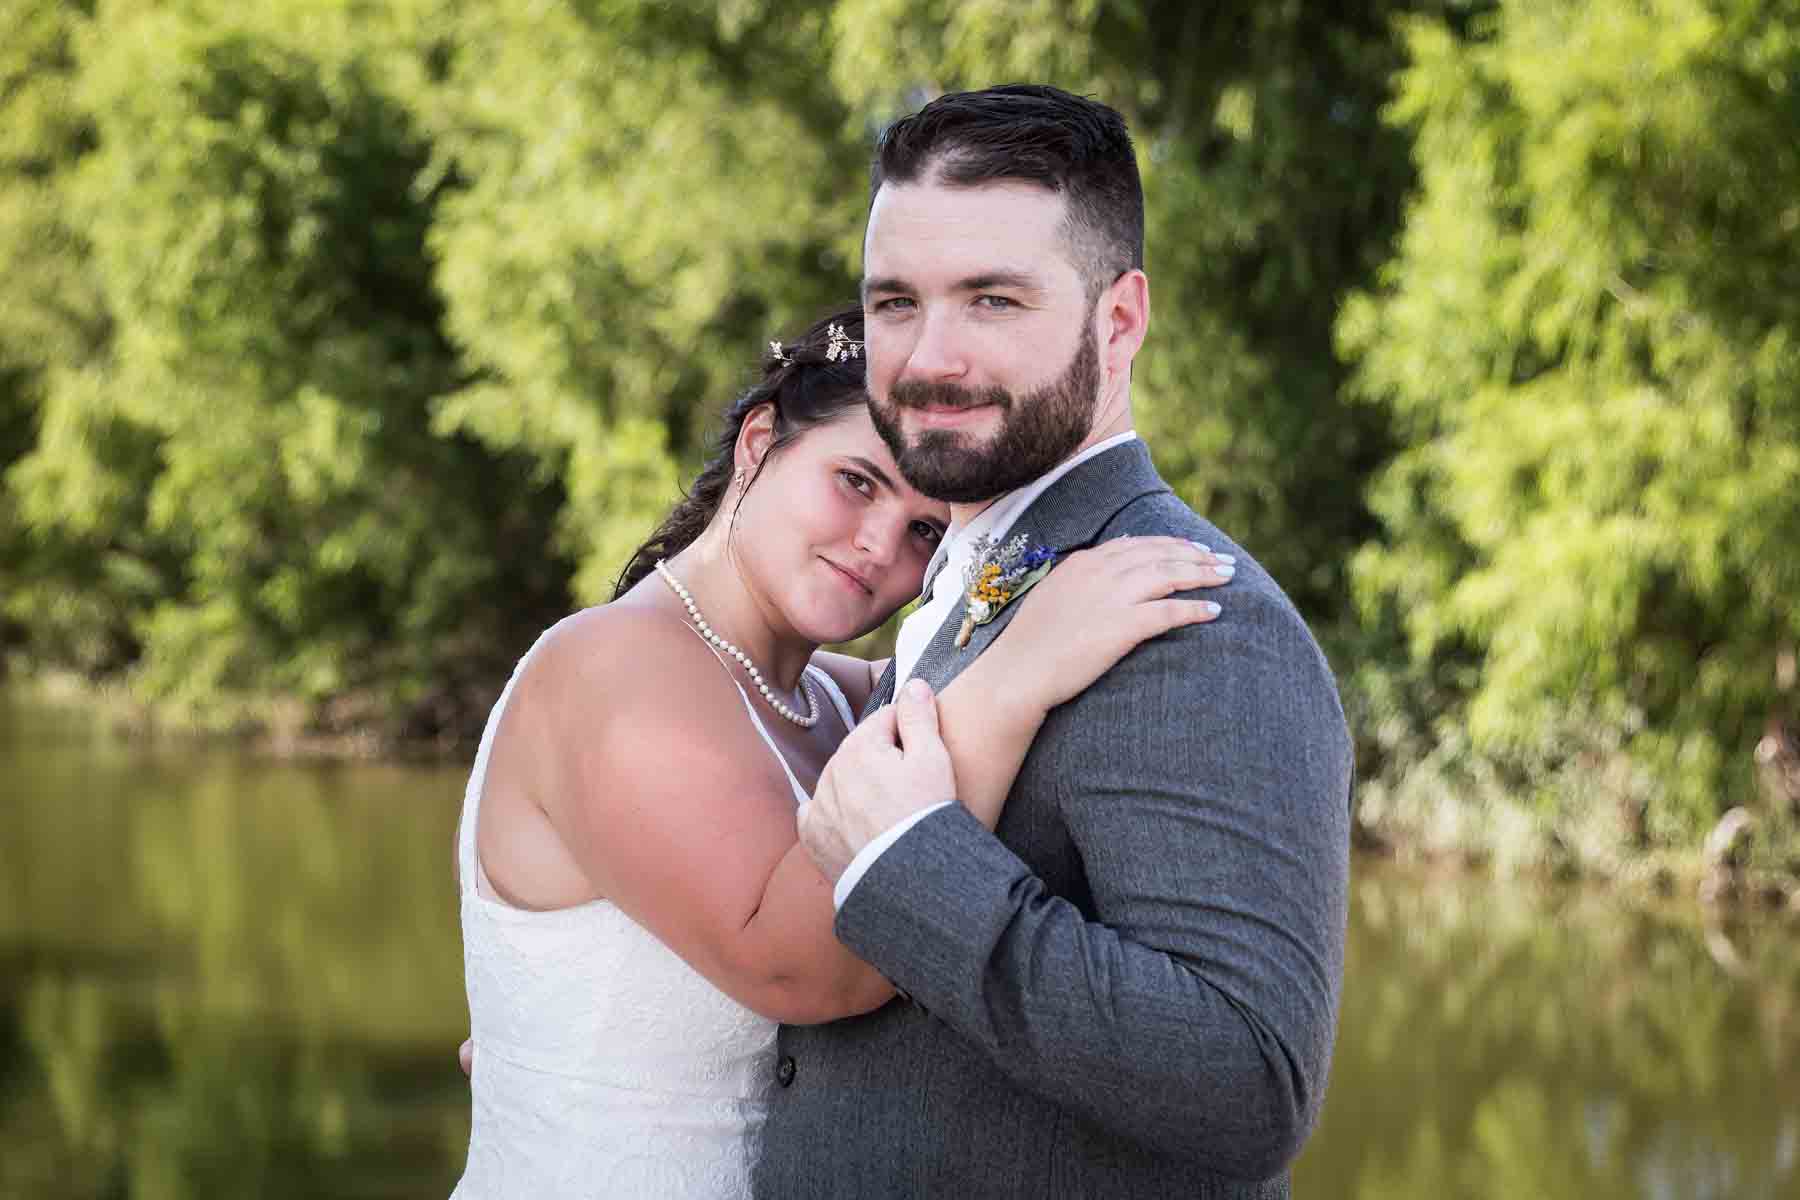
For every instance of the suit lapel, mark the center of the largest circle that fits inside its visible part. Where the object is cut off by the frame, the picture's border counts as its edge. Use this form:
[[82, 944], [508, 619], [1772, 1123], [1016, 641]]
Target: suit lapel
[[883, 693]]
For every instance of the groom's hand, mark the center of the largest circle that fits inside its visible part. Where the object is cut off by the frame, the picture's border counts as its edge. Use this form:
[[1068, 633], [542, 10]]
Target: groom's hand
[[891, 766]]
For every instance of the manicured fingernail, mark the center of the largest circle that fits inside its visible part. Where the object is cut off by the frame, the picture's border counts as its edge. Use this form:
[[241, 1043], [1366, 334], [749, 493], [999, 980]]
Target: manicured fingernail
[[1212, 610], [1224, 570], [1224, 558], [1203, 547], [918, 689]]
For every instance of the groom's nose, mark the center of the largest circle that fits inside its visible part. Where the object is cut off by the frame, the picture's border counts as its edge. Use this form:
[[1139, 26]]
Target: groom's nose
[[937, 352]]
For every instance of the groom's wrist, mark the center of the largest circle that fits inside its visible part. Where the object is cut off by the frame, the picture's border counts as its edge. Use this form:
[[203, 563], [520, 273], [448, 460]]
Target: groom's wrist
[[865, 858]]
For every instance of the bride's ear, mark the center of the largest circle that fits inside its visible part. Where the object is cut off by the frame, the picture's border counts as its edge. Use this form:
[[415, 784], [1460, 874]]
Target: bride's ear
[[754, 439]]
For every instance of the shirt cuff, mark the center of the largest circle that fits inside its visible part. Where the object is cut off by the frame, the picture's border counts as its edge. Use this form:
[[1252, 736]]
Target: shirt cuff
[[866, 857]]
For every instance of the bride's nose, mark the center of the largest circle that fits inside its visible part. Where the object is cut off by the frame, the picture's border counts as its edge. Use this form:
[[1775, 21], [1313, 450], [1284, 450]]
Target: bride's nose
[[878, 539]]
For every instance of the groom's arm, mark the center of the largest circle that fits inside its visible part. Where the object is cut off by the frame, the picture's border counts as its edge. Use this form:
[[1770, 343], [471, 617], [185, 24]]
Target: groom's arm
[[1204, 782]]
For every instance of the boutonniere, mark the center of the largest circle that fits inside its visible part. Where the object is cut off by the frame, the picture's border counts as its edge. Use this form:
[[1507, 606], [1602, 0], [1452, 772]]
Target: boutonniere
[[998, 574]]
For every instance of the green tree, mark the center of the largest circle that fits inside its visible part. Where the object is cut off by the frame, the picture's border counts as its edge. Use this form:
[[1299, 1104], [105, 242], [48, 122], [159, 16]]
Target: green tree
[[257, 224], [71, 570], [1590, 343], [652, 192]]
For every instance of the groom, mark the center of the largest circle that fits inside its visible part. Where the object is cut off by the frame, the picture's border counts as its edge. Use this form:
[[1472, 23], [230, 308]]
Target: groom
[[1130, 988]]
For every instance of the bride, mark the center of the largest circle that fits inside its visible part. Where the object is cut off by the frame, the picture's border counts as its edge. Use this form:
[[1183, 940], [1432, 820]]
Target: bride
[[636, 913]]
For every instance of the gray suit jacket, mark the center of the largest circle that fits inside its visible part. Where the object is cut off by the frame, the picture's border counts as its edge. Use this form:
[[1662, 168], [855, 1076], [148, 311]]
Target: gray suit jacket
[[1130, 989]]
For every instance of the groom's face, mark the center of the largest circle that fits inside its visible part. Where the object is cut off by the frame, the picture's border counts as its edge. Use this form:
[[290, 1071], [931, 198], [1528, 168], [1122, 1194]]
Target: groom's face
[[982, 352]]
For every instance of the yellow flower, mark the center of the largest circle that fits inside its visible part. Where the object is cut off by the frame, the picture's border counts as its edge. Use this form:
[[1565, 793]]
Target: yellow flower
[[986, 587]]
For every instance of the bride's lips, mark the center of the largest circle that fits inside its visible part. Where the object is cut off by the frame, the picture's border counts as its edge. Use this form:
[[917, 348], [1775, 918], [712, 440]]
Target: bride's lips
[[867, 587]]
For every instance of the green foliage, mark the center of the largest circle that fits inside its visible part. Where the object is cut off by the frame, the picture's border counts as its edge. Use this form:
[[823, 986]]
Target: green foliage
[[342, 347], [410, 310], [250, 464], [1590, 340], [652, 190], [53, 323]]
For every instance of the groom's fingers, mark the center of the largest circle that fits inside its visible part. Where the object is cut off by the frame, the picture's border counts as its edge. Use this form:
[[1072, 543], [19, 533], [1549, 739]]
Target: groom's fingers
[[916, 715]]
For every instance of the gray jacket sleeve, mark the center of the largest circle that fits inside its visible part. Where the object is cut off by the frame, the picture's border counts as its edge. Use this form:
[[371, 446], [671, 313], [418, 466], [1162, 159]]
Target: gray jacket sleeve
[[1204, 783]]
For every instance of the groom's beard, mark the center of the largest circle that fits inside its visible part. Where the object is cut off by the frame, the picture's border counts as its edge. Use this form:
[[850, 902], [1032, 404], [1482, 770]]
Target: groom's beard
[[1036, 432]]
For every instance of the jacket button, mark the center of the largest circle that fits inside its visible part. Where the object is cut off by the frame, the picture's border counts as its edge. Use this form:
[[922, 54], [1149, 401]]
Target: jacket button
[[784, 1070]]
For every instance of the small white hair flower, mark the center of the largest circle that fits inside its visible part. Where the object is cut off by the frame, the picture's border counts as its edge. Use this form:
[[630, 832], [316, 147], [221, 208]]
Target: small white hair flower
[[838, 345]]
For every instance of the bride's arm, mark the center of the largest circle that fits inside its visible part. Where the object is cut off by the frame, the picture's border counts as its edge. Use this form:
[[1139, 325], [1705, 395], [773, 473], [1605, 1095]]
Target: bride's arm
[[677, 812], [1077, 622]]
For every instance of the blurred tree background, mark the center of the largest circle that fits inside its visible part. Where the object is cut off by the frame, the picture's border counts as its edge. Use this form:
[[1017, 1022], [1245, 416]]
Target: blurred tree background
[[344, 346]]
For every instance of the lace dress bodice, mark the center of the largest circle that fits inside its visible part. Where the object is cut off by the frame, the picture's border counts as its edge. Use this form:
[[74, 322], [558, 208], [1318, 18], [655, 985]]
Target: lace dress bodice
[[604, 1064]]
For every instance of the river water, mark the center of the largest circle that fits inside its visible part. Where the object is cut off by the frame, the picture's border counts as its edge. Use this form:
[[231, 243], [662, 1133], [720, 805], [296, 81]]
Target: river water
[[225, 976]]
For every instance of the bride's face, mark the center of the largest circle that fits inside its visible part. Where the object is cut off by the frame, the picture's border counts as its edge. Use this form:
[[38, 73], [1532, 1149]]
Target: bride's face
[[836, 538]]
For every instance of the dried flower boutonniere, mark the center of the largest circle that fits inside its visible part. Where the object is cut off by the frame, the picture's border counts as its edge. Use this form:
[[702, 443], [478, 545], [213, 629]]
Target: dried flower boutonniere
[[997, 575]]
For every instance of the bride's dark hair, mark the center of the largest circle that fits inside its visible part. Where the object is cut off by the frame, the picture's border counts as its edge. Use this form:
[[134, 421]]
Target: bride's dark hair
[[812, 380]]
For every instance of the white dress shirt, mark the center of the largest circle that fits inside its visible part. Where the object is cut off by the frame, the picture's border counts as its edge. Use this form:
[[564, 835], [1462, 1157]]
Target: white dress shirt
[[954, 551]]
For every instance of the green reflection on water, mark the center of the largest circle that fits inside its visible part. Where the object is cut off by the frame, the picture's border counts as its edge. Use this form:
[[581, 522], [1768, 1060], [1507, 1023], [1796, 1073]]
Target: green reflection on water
[[1499, 1040], [221, 976]]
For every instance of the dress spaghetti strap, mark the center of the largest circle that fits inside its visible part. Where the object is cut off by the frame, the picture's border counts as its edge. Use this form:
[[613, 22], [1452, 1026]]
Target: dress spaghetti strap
[[837, 696]]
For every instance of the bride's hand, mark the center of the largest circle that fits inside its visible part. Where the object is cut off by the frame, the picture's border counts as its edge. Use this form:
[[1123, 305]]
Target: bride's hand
[[1096, 605]]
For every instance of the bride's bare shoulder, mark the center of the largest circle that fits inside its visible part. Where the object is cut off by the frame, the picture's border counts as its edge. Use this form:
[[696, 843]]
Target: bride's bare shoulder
[[639, 652], [616, 694]]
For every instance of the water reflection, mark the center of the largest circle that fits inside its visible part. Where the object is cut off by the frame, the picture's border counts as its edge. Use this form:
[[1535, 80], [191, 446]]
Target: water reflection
[[221, 976], [1498, 1041]]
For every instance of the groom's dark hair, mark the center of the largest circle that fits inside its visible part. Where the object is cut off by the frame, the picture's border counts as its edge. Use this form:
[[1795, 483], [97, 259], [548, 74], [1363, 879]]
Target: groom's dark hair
[[1077, 147]]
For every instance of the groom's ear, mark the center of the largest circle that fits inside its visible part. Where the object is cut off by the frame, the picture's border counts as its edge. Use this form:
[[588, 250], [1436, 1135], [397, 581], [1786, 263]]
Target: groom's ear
[[754, 439], [1124, 314]]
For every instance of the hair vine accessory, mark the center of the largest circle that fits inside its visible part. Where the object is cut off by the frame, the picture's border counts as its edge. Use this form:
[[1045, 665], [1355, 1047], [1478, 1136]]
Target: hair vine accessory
[[806, 721], [997, 575], [839, 346]]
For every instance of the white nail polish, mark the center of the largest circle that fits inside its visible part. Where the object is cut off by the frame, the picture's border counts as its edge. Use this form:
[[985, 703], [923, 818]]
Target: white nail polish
[[1212, 610], [1224, 570]]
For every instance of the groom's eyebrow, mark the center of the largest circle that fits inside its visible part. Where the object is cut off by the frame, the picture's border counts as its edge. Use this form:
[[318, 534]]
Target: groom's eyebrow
[[1016, 281], [885, 284], [986, 281]]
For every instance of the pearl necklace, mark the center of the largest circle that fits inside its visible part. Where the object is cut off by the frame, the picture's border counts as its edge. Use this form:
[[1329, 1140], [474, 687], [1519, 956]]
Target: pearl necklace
[[706, 631]]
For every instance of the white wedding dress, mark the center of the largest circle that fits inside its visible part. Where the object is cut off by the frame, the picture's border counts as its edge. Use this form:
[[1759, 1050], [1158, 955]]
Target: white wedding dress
[[604, 1064]]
